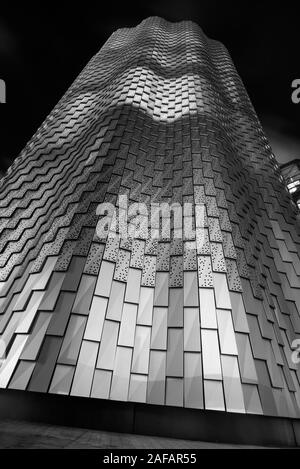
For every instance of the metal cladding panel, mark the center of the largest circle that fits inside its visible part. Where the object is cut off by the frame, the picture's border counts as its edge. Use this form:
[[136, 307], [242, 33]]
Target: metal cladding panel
[[200, 309]]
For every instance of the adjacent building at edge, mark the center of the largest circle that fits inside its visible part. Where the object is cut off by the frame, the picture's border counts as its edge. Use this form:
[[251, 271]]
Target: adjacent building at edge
[[198, 325]]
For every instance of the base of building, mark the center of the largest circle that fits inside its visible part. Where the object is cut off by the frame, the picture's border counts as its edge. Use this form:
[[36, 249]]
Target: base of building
[[129, 417]]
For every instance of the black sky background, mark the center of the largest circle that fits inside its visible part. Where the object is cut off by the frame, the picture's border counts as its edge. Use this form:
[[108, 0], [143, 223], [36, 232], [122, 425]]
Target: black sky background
[[44, 46]]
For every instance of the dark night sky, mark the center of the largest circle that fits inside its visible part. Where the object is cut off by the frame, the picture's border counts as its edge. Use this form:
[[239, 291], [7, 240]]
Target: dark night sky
[[42, 50]]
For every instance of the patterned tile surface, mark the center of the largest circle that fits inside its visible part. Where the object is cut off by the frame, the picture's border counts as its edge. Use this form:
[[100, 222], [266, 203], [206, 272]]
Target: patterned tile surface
[[160, 115]]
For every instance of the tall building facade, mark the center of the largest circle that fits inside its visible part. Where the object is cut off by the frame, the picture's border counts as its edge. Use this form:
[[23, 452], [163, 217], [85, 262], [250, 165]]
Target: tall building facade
[[209, 320]]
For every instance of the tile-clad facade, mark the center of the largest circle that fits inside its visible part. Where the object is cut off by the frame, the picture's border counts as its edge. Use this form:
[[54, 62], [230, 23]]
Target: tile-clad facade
[[206, 322]]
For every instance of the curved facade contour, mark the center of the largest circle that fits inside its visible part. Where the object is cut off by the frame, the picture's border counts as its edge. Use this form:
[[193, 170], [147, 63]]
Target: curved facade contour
[[208, 321]]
